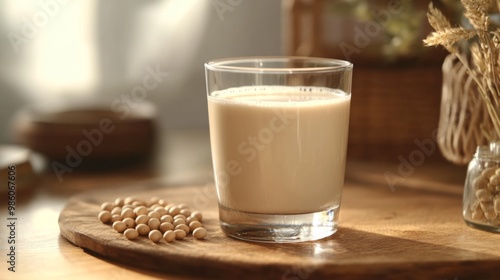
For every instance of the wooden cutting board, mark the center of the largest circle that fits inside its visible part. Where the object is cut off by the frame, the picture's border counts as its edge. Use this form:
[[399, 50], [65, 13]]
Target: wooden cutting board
[[384, 234]]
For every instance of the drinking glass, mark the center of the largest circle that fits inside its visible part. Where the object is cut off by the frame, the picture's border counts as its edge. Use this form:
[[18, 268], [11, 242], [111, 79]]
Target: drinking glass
[[278, 133]]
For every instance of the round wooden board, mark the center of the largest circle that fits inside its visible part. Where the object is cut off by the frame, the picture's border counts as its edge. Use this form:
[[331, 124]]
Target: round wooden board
[[379, 238]]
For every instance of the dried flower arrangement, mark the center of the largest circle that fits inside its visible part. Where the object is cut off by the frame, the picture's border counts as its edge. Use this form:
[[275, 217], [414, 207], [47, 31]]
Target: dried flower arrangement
[[484, 48]]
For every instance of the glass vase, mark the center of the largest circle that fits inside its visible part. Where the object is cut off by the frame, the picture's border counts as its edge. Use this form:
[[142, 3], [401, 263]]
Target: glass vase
[[481, 201]]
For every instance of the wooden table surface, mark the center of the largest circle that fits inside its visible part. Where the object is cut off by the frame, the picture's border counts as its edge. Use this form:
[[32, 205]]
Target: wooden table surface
[[408, 227]]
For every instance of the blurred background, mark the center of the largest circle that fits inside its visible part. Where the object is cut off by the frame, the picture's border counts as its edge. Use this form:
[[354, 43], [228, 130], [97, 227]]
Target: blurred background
[[111, 94], [65, 65], [61, 50]]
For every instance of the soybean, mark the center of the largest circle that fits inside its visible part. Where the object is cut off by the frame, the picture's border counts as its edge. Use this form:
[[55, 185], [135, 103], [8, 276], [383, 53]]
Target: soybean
[[142, 219], [200, 233], [179, 222], [179, 216], [496, 205], [174, 211], [164, 227], [116, 218], [183, 227], [484, 195], [179, 234], [154, 223], [166, 219], [488, 172], [197, 215], [129, 222], [141, 210], [128, 213], [194, 225], [131, 234], [154, 214], [119, 226], [495, 180], [190, 219], [486, 206], [129, 200], [169, 235], [116, 210], [186, 212], [160, 210], [107, 206], [155, 235], [156, 219], [105, 216], [143, 229]]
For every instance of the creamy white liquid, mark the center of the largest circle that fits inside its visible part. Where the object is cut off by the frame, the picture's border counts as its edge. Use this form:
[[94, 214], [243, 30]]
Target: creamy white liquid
[[279, 150]]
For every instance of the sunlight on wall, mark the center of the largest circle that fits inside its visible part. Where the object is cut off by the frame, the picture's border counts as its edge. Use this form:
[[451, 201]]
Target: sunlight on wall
[[66, 50], [169, 31], [53, 44]]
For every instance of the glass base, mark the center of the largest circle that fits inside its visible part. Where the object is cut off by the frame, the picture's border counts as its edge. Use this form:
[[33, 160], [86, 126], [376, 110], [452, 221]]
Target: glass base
[[485, 227], [278, 228]]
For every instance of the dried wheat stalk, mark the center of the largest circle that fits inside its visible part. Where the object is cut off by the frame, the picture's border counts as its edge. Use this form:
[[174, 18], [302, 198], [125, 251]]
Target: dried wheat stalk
[[484, 65]]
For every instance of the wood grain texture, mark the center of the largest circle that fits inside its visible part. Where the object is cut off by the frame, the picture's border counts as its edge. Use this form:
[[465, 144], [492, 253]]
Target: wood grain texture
[[405, 234]]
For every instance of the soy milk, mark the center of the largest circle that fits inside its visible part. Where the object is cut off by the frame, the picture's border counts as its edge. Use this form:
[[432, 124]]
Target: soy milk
[[278, 149]]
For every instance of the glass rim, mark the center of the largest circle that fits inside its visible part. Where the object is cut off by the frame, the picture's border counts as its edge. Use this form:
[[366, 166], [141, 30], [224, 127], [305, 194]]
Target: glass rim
[[235, 64]]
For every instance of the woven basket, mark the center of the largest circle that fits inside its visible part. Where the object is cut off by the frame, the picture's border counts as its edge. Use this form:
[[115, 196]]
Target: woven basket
[[462, 114], [394, 103]]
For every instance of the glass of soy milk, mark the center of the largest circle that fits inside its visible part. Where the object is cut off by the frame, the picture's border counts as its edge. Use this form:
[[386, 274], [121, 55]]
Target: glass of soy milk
[[278, 133]]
